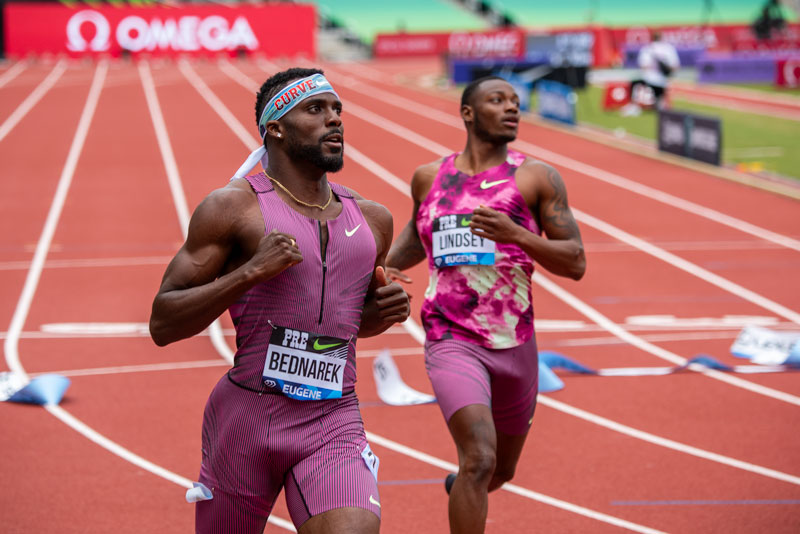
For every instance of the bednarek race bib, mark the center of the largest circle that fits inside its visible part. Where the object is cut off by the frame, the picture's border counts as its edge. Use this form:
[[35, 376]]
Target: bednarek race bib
[[305, 366], [454, 244]]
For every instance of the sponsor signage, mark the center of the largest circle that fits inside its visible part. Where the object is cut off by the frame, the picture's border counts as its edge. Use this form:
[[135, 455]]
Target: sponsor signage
[[693, 136], [506, 43], [736, 68], [556, 101], [272, 29], [787, 72]]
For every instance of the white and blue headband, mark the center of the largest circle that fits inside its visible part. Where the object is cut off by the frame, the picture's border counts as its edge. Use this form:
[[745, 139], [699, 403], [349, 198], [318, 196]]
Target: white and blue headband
[[279, 105]]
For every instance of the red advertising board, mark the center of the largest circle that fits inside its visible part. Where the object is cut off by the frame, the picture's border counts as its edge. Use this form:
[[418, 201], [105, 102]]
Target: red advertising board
[[272, 29], [503, 43], [787, 72]]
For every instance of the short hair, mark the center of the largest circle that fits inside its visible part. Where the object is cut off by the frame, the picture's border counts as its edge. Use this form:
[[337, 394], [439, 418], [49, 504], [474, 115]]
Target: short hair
[[466, 96], [276, 82]]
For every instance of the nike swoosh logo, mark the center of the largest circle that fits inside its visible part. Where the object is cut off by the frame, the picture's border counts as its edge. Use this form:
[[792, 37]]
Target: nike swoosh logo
[[373, 501], [487, 185], [348, 233], [317, 345], [465, 222]]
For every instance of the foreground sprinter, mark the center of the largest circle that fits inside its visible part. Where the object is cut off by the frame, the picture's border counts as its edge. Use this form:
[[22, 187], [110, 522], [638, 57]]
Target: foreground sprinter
[[478, 218], [298, 261]]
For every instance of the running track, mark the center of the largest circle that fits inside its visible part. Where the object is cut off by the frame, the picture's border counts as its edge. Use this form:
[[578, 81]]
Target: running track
[[101, 162]]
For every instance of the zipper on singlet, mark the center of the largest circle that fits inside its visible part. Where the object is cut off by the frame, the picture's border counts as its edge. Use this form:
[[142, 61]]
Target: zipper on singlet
[[322, 247]]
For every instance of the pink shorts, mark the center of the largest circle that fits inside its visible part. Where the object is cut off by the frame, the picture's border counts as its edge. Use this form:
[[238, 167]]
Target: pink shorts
[[506, 380], [255, 445]]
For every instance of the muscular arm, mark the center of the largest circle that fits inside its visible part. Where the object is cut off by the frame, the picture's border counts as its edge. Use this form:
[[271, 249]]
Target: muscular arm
[[194, 290], [407, 250], [561, 252], [386, 302]]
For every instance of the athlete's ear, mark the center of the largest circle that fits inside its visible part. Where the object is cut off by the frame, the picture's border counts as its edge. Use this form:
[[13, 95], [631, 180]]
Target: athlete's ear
[[466, 113], [274, 129]]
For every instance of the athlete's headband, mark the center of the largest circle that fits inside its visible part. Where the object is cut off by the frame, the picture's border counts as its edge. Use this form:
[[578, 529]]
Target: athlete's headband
[[279, 105]]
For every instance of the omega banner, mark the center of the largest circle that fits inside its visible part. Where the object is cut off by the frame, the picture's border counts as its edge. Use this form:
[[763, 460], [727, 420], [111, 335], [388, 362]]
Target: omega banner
[[281, 29]]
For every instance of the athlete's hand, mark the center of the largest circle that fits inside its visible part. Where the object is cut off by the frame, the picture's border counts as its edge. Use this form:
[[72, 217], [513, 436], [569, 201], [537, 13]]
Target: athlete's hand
[[391, 299], [396, 275], [276, 252], [494, 225]]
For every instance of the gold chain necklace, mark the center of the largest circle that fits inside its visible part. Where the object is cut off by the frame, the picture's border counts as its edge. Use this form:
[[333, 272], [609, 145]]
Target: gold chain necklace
[[330, 195]]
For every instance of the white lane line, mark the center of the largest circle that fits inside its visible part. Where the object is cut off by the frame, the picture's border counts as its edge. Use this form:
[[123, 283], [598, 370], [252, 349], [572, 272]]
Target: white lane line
[[11, 343], [655, 350], [83, 263], [175, 185], [13, 72], [181, 206], [587, 219], [143, 368], [33, 98], [416, 332], [687, 266], [577, 166], [668, 443], [512, 488], [227, 353]]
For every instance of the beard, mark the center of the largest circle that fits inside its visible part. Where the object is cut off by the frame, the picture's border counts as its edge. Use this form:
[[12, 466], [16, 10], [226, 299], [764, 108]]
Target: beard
[[313, 154], [483, 133]]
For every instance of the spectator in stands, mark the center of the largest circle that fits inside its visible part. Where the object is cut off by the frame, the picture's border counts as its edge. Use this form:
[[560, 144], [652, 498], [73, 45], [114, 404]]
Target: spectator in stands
[[658, 61]]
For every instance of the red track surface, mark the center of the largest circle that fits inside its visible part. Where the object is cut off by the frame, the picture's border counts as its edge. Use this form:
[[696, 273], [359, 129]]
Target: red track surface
[[119, 207]]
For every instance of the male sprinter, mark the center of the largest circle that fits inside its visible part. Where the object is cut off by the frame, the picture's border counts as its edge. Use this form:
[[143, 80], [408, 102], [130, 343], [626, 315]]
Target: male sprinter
[[298, 261], [478, 217]]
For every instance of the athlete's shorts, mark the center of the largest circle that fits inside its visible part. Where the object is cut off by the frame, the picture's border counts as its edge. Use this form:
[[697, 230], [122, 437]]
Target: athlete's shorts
[[254, 445], [505, 380]]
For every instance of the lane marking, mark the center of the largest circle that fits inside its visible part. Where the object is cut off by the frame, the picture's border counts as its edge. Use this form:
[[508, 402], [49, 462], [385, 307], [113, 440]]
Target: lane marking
[[182, 208], [227, 353], [33, 98], [84, 263], [11, 345], [13, 72], [511, 488], [577, 166]]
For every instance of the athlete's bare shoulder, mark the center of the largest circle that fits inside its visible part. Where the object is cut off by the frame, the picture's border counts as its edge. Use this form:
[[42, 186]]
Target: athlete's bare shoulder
[[536, 178], [422, 180], [223, 212]]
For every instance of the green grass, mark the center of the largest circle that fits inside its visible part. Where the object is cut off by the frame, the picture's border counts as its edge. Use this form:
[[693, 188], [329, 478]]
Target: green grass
[[768, 143]]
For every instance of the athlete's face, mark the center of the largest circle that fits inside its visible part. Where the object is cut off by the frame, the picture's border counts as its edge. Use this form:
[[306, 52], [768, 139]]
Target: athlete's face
[[494, 112], [314, 132]]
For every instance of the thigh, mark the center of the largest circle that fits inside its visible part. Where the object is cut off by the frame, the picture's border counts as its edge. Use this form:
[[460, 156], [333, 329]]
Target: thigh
[[350, 520], [515, 385], [340, 474], [457, 375], [239, 468], [227, 512]]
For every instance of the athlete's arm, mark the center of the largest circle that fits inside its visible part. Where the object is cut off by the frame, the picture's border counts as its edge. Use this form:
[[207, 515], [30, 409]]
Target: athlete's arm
[[386, 302], [561, 252], [407, 250], [194, 290]]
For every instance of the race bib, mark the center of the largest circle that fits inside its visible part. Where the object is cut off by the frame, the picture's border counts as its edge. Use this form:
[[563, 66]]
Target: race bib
[[305, 366], [454, 244]]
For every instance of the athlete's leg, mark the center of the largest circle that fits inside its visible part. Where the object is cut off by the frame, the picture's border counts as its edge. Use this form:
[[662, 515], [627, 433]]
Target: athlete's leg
[[475, 437], [351, 520], [509, 449], [334, 488]]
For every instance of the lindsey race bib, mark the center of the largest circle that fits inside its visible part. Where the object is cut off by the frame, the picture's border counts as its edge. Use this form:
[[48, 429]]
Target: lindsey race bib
[[454, 244], [304, 365]]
